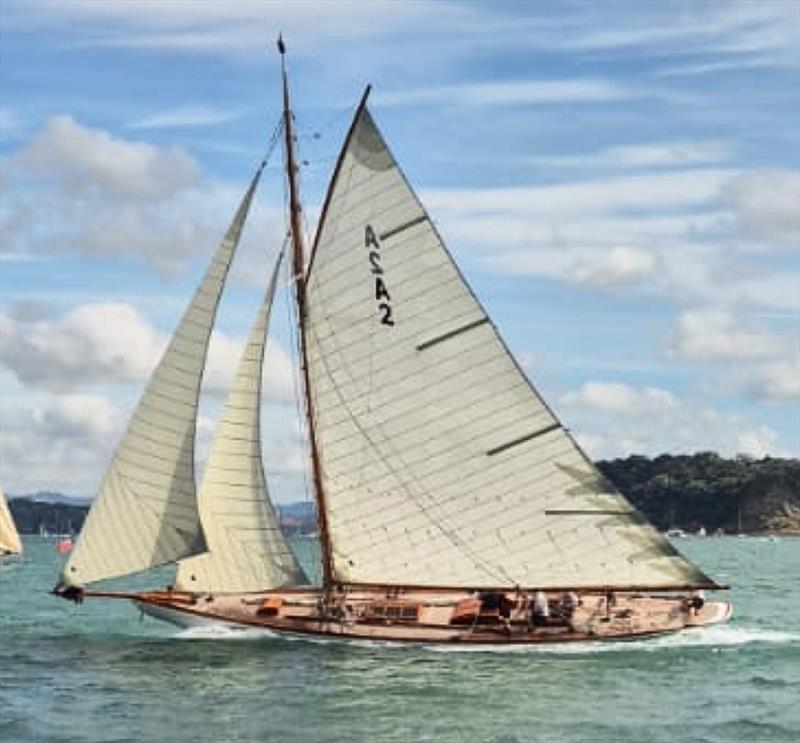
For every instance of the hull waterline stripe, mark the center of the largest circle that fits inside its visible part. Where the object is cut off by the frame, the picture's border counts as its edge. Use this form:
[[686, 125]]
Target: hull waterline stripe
[[401, 228], [447, 336], [522, 439]]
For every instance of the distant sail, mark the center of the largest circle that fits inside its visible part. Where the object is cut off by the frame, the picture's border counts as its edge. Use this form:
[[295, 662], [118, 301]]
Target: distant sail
[[441, 465], [10, 543], [145, 513], [246, 549]]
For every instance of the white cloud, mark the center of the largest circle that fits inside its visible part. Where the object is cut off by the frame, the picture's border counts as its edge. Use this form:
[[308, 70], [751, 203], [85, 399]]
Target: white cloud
[[91, 343], [186, 116], [717, 335], [56, 442], [614, 397], [767, 204], [652, 155], [79, 416], [685, 427], [617, 266], [80, 158], [757, 442], [776, 382], [662, 191], [111, 197], [114, 343], [510, 93]]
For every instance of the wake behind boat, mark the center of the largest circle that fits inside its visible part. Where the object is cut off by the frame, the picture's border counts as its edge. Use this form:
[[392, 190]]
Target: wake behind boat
[[452, 504]]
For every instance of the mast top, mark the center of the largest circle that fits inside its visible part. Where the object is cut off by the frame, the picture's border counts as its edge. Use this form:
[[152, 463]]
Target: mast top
[[281, 45]]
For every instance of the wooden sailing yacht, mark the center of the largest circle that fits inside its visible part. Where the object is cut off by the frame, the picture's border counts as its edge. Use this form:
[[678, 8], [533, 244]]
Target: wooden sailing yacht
[[453, 506], [10, 543]]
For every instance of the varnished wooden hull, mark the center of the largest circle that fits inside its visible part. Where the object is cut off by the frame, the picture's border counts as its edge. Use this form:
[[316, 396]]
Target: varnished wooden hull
[[296, 613]]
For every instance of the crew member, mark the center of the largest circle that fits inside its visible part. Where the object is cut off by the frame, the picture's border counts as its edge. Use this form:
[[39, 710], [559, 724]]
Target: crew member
[[541, 609]]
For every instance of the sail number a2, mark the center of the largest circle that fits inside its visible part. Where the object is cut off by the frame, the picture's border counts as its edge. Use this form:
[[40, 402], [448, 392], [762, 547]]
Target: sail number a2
[[381, 292]]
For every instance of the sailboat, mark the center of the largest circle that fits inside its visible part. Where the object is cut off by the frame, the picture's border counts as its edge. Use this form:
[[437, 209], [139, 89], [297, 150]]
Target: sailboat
[[10, 543], [453, 506]]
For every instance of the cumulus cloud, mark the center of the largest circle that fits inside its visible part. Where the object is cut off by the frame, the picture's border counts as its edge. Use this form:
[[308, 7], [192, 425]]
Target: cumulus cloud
[[774, 382], [114, 343], [108, 197], [718, 335], [614, 397], [81, 158], [91, 343], [58, 442]]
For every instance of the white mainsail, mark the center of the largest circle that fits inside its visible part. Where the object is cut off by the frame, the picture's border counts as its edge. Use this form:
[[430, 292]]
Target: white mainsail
[[10, 543], [145, 513], [246, 549], [440, 463]]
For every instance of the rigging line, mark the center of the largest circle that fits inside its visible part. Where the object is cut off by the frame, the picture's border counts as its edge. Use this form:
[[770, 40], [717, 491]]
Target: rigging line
[[292, 320]]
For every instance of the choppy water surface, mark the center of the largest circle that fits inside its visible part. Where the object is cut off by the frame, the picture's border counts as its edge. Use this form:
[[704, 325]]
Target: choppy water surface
[[98, 673]]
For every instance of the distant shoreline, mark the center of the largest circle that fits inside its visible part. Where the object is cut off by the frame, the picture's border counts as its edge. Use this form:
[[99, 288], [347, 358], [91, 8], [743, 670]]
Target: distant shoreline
[[688, 492]]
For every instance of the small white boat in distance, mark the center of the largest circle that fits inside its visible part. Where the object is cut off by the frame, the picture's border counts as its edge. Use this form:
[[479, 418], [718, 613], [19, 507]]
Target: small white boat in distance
[[10, 543]]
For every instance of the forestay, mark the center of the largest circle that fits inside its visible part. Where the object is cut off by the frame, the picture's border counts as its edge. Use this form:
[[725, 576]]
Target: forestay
[[9, 537], [246, 549], [440, 463], [145, 513]]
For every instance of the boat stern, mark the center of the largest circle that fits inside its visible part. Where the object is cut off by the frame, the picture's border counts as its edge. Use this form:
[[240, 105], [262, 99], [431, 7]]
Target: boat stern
[[712, 612]]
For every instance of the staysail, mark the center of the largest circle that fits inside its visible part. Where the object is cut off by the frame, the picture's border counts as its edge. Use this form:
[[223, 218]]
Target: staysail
[[246, 549], [10, 543], [145, 513], [441, 464]]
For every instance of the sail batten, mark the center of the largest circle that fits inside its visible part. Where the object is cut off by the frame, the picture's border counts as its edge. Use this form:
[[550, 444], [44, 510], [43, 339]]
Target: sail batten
[[246, 548], [441, 464], [145, 512]]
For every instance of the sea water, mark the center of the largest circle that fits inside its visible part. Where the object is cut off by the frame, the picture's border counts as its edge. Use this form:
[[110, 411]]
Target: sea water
[[98, 672]]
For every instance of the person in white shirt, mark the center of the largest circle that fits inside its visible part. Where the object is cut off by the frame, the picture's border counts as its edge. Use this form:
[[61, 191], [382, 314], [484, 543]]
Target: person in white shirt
[[541, 609]]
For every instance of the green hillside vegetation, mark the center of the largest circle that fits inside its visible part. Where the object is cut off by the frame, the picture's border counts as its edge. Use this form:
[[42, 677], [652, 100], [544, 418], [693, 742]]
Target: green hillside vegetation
[[684, 491], [689, 491]]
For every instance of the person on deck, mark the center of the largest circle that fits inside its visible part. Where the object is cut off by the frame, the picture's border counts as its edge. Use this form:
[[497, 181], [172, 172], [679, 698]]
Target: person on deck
[[697, 600], [567, 604], [541, 609]]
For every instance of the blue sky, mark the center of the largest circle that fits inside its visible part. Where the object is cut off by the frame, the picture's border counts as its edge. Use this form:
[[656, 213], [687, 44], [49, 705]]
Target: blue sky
[[619, 181]]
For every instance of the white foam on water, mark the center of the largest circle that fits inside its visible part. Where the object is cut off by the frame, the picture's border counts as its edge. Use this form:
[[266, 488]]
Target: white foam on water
[[222, 632], [710, 637]]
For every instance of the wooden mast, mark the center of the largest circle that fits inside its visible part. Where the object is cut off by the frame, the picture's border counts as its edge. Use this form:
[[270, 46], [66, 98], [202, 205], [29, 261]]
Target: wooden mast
[[299, 278]]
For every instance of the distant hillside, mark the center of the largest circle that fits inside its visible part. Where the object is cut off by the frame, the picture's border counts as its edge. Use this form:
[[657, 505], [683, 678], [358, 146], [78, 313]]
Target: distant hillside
[[690, 491], [56, 513], [684, 491]]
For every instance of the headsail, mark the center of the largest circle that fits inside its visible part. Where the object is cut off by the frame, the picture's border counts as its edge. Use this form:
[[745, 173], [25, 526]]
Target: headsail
[[10, 543], [145, 513], [246, 549], [441, 464]]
